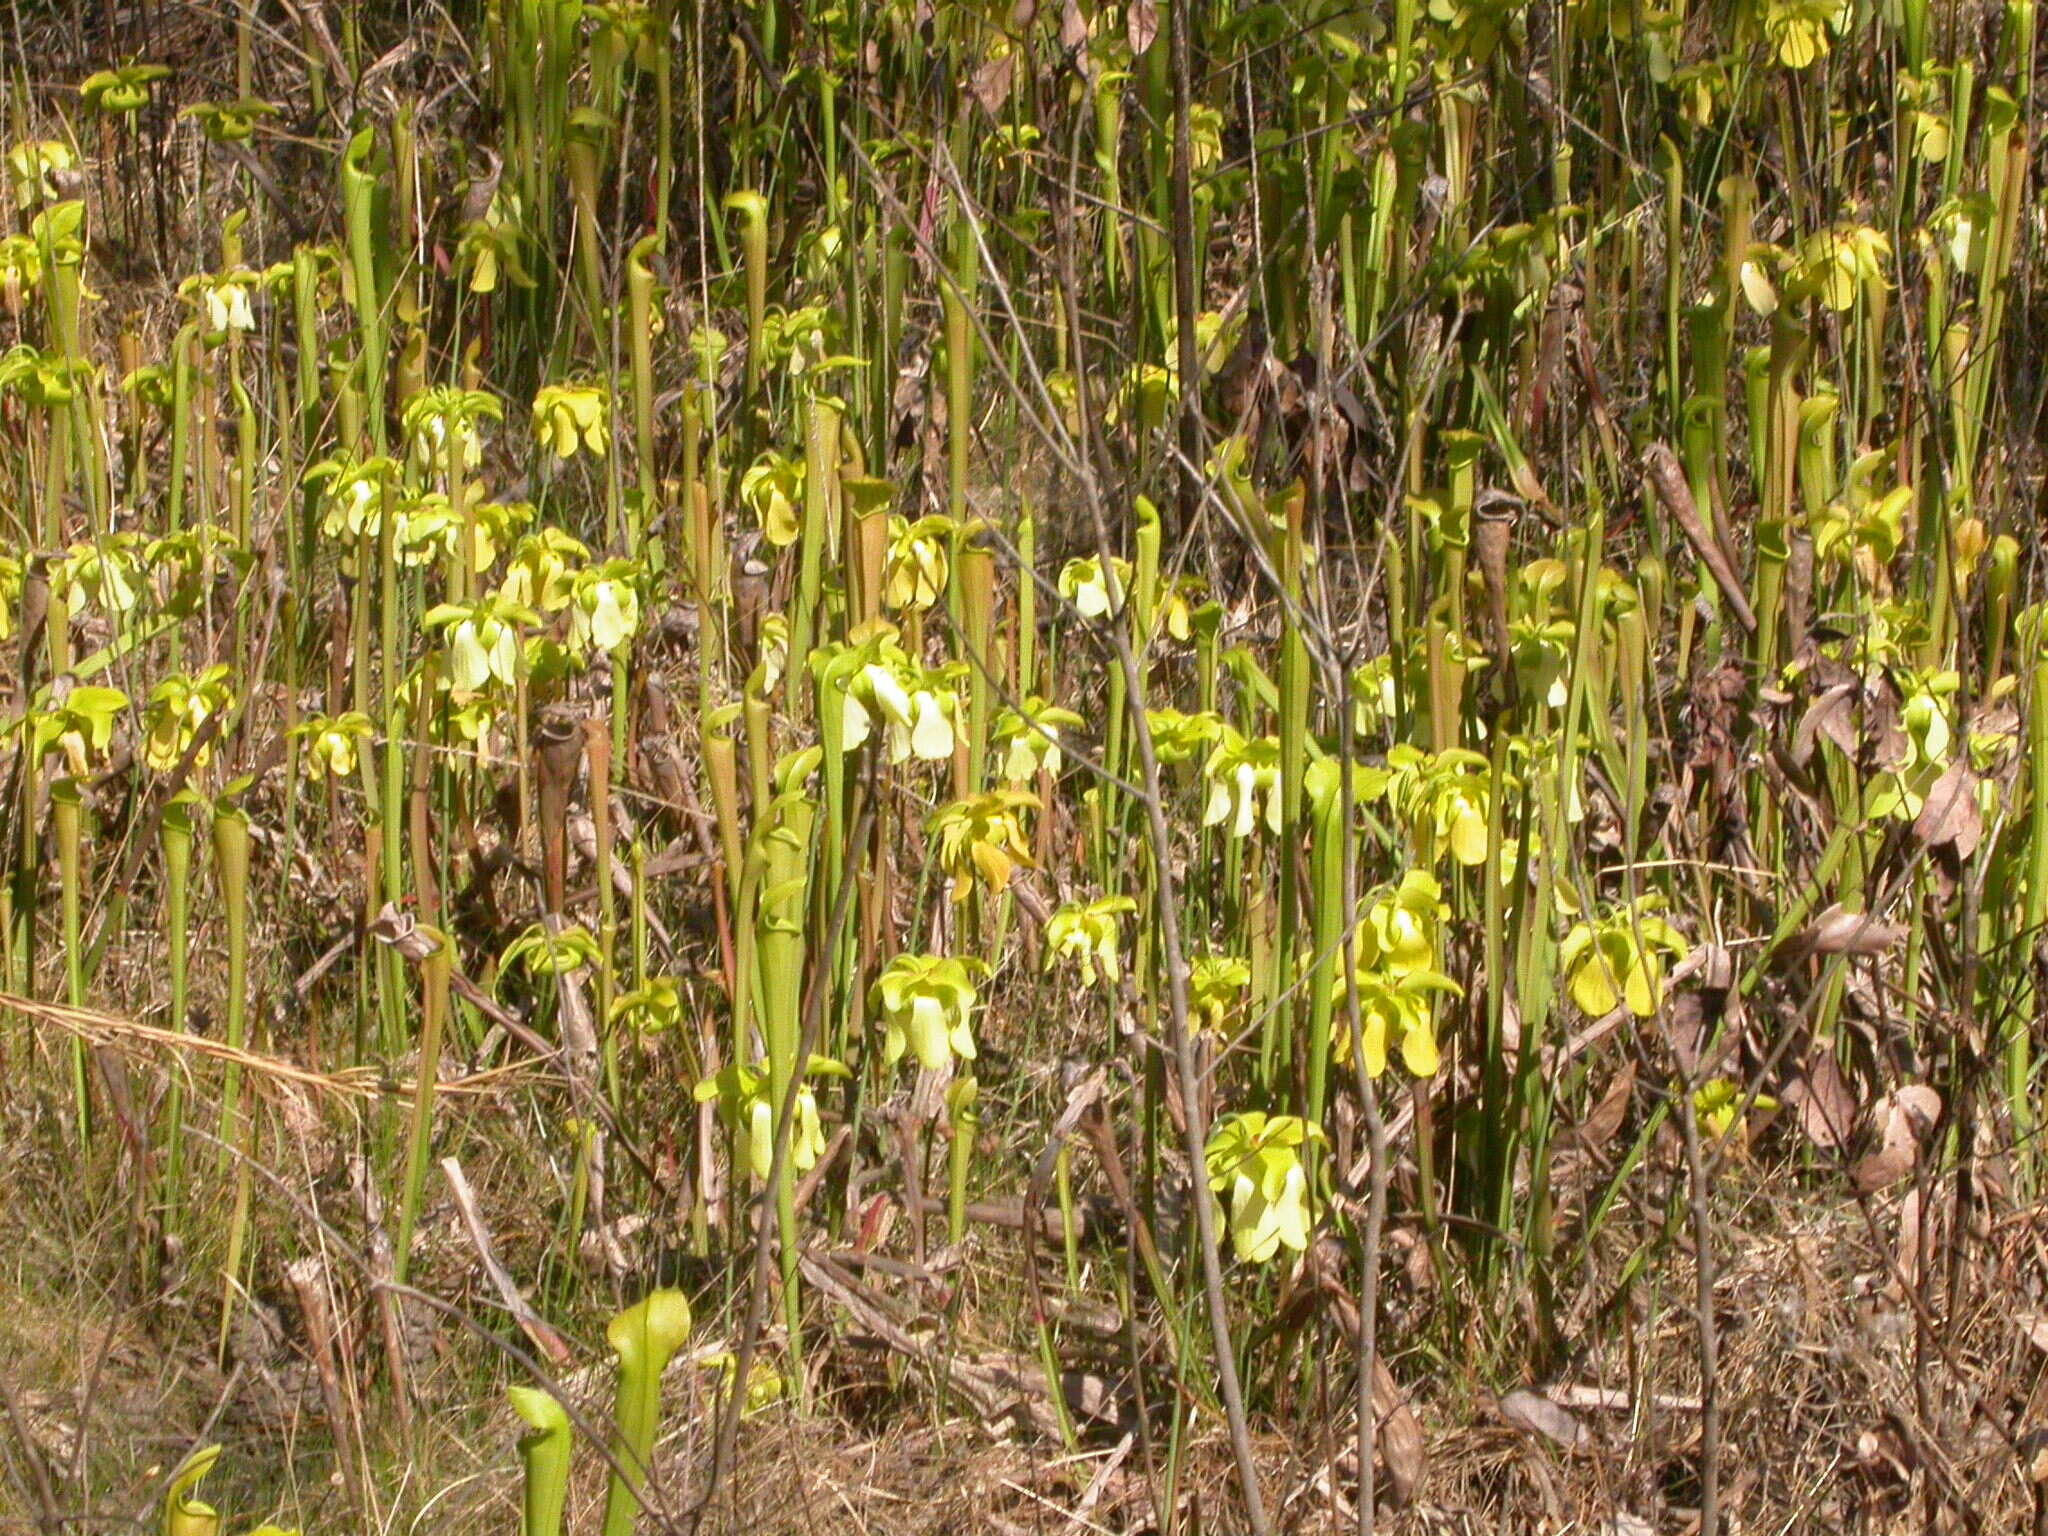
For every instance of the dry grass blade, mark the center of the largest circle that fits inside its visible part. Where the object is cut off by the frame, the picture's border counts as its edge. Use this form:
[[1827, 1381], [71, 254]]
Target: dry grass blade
[[106, 1029]]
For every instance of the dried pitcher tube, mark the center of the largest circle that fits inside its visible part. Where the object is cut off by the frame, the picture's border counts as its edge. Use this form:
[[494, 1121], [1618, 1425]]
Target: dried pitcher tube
[[1493, 527], [558, 751]]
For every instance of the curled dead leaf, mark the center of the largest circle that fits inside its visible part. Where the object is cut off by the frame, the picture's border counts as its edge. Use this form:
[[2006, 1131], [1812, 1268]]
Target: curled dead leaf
[[1593, 1133], [2034, 1325], [1913, 1110], [1884, 1454], [401, 930], [2034, 1455], [1073, 27], [991, 81], [1402, 1455]]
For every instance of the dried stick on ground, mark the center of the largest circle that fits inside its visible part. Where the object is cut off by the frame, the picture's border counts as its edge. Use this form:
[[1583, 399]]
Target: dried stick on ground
[[544, 1338], [308, 1279]]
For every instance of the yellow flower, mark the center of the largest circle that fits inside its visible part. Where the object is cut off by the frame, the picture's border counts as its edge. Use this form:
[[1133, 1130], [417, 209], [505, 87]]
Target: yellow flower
[[1088, 932], [101, 573], [1716, 1101], [1621, 959], [566, 416], [605, 607], [543, 570], [982, 836], [120, 92], [482, 639], [917, 708], [352, 494], [178, 706], [1400, 931], [332, 743], [1029, 739], [915, 573], [79, 727], [1444, 797], [224, 300], [926, 1002], [1257, 1158], [1240, 774], [1083, 584], [1393, 1009], [1799, 29], [773, 487], [1836, 264], [34, 166], [1215, 982], [744, 1106], [441, 426]]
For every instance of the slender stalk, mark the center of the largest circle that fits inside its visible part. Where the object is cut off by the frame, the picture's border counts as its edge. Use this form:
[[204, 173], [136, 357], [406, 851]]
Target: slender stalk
[[231, 866]]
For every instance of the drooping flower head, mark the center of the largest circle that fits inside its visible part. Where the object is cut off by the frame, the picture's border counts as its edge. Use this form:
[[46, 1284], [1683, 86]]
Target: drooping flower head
[[744, 1105], [1621, 958], [927, 1003], [569, 417], [1254, 1160], [1087, 933]]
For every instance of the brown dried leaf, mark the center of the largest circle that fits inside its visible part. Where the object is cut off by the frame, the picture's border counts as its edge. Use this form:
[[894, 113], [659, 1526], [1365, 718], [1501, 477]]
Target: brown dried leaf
[[1073, 27], [1141, 24], [401, 930], [1833, 715], [1667, 479], [991, 82], [1911, 1111], [2034, 1324], [1685, 1028], [1903, 1116], [1881, 726], [1996, 719], [1826, 1106], [1949, 817], [1836, 932], [1882, 1168], [476, 201], [1536, 1414], [1798, 590], [1883, 1453], [1908, 1255], [2034, 1455], [1402, 1456], [1604, 1119]]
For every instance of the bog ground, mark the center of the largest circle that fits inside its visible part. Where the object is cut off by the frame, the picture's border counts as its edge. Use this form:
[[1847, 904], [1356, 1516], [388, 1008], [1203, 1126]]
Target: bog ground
[[978, 765]]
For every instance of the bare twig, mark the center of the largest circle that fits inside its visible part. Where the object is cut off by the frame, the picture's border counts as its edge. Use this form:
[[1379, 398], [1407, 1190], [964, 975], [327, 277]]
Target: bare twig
[[308, 1279], [545, 1339]]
